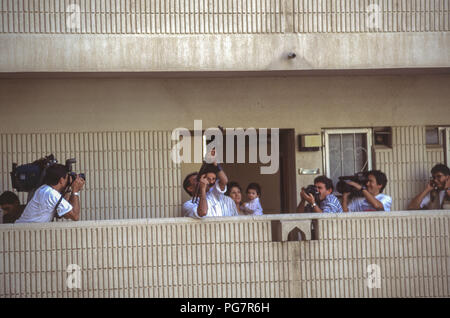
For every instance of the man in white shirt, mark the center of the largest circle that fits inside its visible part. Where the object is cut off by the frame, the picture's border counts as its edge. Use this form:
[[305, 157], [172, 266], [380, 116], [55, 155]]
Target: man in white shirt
[[374, 199], [41, 207], [436, 194], [212, 200]]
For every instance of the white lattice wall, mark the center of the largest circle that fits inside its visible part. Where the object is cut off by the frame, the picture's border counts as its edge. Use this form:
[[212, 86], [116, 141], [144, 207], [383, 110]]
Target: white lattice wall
[[129, 174], [408, 164], [230, 257], [221, 16], [142, 16], [357, 16]]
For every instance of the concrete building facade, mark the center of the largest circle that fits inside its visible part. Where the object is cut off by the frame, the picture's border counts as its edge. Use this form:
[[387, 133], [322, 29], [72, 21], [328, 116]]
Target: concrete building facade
[[107, 81]]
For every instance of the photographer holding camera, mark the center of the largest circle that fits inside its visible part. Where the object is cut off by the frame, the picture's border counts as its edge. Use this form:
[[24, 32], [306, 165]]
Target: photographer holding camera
[[319, 197], [436, 195], [374, 199], [41, 207]]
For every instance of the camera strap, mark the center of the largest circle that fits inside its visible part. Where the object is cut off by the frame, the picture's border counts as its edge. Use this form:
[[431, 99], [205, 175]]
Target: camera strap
[[55, 211]]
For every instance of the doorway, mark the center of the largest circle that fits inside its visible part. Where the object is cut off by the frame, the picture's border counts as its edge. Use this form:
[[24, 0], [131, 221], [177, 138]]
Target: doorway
[[278, 190]]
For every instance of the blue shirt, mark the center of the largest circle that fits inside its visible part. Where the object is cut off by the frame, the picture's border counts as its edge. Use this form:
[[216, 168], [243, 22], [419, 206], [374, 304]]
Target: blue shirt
[[362, 205], [331, 204]]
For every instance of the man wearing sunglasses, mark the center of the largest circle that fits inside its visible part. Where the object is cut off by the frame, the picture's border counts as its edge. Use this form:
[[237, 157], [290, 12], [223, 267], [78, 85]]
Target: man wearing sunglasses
[[436, 194]]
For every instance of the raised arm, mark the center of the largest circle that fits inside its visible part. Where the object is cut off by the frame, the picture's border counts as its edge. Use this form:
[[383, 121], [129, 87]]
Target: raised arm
[[223, 179], [74, 200], [310, 199], [202, 208], [372, 200], [369, 196], [301, 205], [345, 201], [415, 203]]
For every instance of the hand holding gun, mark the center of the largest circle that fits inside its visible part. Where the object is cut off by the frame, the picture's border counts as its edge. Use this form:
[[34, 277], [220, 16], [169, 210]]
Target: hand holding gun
[[207, 167], [203, 170]]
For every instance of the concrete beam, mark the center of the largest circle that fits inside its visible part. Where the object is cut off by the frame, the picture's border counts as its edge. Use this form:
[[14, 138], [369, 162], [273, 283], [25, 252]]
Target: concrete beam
[[222, 53]]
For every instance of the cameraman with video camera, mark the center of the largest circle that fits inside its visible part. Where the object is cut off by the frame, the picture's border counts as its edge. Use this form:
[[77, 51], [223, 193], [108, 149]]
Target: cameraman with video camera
[[41, 207], [319, 198], [373, 199]]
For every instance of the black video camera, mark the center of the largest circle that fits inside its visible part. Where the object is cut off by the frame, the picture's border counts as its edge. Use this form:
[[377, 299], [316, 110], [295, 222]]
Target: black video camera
[[343, 187], [312, 189], [29, 177]]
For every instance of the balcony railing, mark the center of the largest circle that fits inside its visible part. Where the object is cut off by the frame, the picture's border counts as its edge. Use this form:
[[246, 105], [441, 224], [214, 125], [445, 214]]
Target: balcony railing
[[396, 254]]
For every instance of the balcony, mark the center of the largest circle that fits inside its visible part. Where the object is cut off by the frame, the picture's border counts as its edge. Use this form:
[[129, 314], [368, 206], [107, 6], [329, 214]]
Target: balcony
[[396, 254]]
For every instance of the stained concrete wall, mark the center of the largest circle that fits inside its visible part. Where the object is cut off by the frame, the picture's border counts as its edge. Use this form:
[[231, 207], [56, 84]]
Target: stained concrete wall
[[77, 53], [230, 257], [305, 103], [168, 36]]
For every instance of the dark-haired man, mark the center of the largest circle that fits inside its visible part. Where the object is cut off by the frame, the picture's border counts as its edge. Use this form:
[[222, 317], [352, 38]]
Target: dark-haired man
[[374, 199], [41, 207], [328, 201], [436, 194], [11, 207], [212, 200], [211, 177]]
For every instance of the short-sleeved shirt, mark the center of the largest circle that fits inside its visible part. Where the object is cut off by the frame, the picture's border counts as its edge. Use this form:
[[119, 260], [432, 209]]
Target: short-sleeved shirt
[[331, 204], [40, 208], [427, 199], [362, 205], [218, 204], [253, 207]]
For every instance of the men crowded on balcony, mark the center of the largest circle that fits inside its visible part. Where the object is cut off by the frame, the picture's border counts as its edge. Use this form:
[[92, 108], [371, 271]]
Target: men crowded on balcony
[[210, 200], [372, 197], [436, 194], [328, 202], [41, 207]]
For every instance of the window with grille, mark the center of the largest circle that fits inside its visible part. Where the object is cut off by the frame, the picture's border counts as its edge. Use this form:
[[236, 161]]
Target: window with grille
[[347, 151]]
